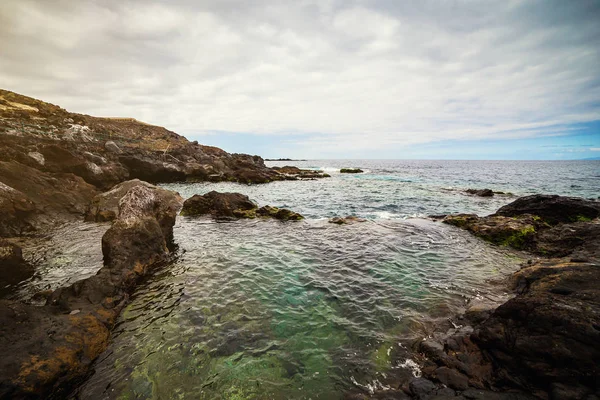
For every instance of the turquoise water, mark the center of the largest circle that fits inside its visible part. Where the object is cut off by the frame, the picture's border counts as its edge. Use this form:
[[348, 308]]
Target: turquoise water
[[259, 309]]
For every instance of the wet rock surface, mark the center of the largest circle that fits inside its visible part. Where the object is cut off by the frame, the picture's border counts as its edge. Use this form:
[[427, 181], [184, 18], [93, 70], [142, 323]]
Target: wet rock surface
[[351, 171], [480, 192], [543, 341], [349, 220], [49, 349], [13, 268], [230, 206]]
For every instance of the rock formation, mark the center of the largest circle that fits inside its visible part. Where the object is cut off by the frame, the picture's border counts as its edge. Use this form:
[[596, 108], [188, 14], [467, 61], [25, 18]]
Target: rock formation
[[544, 341], [48, 349], [228, 206]]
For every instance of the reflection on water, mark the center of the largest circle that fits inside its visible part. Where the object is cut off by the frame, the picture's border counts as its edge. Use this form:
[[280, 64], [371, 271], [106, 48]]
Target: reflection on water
[[270, 310]]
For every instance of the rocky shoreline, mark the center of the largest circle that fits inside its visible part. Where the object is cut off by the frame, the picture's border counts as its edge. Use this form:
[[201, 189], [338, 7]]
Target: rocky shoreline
[[57, 166]]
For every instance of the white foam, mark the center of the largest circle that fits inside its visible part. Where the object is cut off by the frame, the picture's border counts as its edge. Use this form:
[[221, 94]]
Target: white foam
[[413, 366]]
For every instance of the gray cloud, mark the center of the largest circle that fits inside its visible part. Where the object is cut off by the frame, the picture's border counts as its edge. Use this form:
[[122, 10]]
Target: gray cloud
[[359, 73]]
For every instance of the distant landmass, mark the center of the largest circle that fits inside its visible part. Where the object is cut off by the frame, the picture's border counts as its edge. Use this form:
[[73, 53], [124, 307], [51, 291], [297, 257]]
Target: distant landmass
[[281, 159], [590, 158]]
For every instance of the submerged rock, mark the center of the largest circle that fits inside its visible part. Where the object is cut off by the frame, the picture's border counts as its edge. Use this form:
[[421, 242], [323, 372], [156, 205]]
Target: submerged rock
[[349, 220], [480, 192]]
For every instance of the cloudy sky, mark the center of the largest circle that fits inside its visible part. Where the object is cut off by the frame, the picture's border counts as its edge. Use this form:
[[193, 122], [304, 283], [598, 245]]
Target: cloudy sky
[[513, 79]]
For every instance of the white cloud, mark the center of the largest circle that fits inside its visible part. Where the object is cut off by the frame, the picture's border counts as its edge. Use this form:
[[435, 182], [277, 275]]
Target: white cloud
[[370, 74]]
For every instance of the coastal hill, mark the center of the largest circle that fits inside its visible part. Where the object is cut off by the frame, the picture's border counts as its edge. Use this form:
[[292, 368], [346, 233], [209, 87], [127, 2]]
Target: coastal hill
[[52, 161]]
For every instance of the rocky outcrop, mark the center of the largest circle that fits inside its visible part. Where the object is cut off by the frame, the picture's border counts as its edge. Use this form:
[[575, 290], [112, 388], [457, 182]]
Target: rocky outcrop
[[553, 209], [48, 349], [228, 206], [30, 198], [295, 173], [543, 341], [351, 171], [106, 151], [551, 232]]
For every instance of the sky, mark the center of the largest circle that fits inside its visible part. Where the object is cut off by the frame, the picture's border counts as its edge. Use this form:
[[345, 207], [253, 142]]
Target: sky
[[428, 79]]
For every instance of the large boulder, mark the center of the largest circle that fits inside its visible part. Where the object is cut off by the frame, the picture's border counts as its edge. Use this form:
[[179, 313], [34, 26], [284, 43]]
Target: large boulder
[[152, 169], [553, 209], [218, 205], [105, 206]]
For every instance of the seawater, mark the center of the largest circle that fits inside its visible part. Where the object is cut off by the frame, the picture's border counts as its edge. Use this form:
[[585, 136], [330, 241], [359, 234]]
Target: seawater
[[259, 309]]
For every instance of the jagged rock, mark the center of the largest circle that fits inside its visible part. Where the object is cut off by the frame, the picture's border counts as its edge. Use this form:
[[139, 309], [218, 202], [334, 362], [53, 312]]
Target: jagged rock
[[48, 349], [552, 208], [480, 192], [152, 170], [105, 206], [112, 147], [351, 171]]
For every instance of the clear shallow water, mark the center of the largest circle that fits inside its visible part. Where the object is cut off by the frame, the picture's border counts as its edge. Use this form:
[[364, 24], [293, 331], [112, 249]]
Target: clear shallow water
[[271, 310]]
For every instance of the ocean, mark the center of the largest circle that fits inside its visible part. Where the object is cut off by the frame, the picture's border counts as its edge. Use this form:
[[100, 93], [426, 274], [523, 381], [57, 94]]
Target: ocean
[[257, 309]]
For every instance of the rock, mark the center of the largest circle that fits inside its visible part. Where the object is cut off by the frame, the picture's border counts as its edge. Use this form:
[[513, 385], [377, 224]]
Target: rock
[[421, 387], [351, 171], [349, 220], [548, 335], [38, 157], [94, 158], [151, 169], [46, 350], [553, 209], [105, 206], [289, 172], [112, 147], [13, 269], [452, 378], [518, 232], [282, 214], [219, 205], [16, 212], [35, 199], [480, 192]]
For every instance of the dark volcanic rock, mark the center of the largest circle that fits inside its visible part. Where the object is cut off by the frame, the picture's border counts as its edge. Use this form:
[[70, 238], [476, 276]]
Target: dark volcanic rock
[[552, 208], [549, 335], [218, 205], [233, 206], [16, 211], [480, 192], [48, 349], [13, 269]]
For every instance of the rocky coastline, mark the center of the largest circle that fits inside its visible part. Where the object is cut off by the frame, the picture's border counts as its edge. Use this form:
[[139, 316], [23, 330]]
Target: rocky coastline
[[57, 166]]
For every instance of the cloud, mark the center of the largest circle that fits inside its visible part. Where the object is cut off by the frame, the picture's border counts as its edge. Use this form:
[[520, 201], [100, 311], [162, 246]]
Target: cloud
[[349, 73]]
